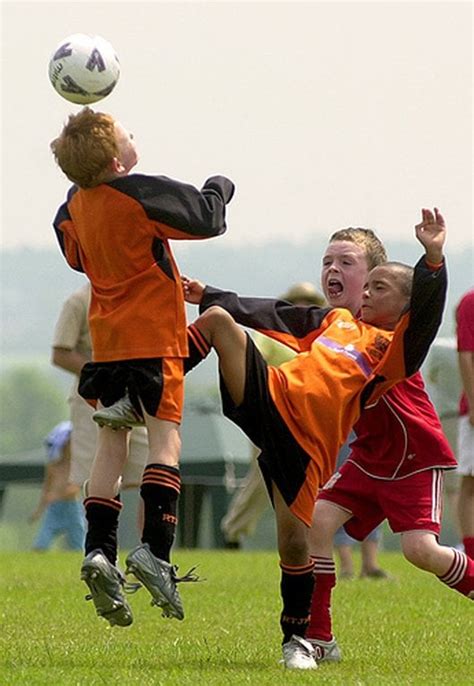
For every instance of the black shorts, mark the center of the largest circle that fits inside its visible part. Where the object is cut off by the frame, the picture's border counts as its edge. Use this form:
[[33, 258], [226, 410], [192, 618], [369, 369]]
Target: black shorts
[[282, 459], [156, 383]]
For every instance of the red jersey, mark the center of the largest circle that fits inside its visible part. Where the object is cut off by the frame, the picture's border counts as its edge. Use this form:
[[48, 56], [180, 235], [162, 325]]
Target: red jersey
[[465, 335], [118, 234], [343, 363], [400, 434]]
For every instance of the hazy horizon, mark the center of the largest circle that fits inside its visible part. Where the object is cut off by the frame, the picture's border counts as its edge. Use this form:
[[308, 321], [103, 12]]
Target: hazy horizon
[[325, 114]]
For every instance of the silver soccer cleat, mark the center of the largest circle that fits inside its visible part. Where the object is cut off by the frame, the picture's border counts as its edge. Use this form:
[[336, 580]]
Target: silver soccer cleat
[[159, 578], [106, 586], [120, 415], [325, 651]]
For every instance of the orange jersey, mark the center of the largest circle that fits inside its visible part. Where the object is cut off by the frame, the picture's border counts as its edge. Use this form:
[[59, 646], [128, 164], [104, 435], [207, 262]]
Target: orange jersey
[[118, 234], [342, 362]]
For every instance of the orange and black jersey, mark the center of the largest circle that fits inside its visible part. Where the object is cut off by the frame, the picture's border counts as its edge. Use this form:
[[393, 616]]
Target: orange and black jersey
[[342, 362], [118, 234]]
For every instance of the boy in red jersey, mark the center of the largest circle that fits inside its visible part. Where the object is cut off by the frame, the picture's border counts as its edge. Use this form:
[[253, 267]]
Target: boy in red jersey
[[115, 227], [394, 471], [300, 413], [465, 346]]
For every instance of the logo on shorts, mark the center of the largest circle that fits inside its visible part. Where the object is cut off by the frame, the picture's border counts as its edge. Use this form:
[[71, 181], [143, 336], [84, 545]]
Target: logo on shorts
[[331, 482]]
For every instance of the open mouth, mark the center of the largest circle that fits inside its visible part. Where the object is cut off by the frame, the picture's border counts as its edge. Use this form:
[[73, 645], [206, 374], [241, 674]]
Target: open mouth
[[334, 288]]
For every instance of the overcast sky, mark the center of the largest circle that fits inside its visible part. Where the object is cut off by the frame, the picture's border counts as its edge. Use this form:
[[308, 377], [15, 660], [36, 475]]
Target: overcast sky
[[325, 114]]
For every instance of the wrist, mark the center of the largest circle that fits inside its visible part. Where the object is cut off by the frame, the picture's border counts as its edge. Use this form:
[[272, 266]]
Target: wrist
[[434, 258]]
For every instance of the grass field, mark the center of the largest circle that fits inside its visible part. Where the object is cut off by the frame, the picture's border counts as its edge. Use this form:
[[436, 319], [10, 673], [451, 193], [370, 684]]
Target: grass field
[[411, 630]]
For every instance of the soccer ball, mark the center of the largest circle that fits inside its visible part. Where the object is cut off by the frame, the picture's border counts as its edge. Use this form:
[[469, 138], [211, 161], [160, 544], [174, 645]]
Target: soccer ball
[[84, 69]]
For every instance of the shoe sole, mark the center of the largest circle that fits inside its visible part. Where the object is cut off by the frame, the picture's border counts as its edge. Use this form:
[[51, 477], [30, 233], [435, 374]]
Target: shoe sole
[[158, 598], [117, 425], [120, 613]]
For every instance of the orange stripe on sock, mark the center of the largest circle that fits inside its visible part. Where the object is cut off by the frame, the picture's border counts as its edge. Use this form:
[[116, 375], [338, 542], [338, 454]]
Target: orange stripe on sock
[[173, 473], [199, 340], [295, 570], [157, 478], [162, 474], [113, 504]]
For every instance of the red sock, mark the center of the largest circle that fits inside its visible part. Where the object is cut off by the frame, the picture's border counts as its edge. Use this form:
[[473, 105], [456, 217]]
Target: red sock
[[460, 576], [468, 543], [320, 625]]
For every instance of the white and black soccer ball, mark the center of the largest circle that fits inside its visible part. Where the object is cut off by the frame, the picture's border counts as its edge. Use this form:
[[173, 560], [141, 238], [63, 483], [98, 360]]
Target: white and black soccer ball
[[84, 69]]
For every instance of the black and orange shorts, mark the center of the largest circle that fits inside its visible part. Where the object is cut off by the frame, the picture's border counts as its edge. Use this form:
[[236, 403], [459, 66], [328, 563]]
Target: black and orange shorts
[[282, 460], [155, 383]]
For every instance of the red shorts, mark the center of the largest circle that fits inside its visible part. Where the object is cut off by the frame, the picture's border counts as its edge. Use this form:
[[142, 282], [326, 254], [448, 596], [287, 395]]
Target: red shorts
[[412, 503]]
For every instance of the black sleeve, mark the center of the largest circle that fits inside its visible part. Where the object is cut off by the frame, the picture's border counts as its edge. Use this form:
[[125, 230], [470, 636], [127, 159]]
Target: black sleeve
[[290, 324], [415, 331], [425, 314], [181, 206]]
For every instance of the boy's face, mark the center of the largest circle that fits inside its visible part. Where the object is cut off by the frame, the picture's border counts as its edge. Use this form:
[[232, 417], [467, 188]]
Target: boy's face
[[343, 275], [127, 151], [384, 298]]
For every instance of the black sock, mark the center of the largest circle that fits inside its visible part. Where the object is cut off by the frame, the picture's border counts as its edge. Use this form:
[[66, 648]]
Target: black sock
[[160, 490], [296, 590], [102, 516], [198, 348]]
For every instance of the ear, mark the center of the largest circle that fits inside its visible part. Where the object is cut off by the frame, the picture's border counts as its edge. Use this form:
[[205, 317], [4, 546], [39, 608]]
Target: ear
[[117, 166]]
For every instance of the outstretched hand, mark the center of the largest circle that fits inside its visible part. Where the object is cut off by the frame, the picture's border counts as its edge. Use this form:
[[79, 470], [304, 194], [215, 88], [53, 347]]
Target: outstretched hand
[[192, 289], [431, 232]]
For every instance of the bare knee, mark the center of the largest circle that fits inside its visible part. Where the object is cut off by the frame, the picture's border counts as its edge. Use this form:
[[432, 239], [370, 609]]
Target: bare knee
[[420, 549], [293, 545], [292, 533], [164, 441], [213, 320], [327, 519]]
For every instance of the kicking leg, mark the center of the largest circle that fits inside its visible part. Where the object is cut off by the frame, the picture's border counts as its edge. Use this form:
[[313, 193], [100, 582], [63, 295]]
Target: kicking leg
[[452, 567], [230, 342]]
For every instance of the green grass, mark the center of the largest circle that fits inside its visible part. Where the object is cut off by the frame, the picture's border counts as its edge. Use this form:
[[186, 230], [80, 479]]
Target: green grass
[[412, 630]]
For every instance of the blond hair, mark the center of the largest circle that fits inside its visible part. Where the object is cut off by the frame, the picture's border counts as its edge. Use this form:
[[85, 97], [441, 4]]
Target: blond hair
[[367, 239], [86, 147]]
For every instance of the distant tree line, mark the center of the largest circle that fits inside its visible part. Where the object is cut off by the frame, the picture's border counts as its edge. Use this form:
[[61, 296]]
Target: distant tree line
[[31, 403]]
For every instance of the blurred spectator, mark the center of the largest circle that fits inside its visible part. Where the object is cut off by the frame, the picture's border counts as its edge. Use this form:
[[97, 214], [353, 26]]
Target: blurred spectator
[[71, 350], [465, 345], [443, 383], [59, 499]]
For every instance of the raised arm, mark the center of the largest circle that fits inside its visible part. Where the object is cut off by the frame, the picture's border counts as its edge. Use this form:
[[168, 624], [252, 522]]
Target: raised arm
[[431, 232], [181, 211], [418, 326]]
